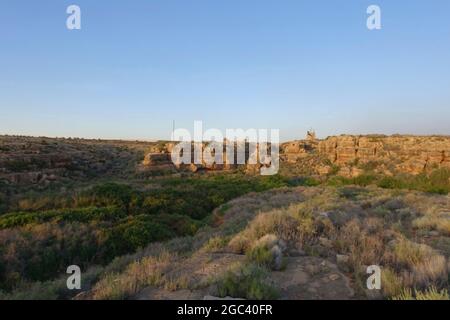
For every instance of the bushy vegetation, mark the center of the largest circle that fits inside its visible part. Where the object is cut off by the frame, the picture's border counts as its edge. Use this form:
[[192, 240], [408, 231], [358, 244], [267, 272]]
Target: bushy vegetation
[[435, 182], [20, 165], [367, 226], [146, 272], [88, 214], [247, 281], [95, 225], [438, 181]]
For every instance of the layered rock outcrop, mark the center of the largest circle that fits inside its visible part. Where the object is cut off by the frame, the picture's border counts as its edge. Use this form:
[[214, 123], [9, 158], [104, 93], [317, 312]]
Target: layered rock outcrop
[[239, 156], [26, 161], [410, 154], [350, 154]]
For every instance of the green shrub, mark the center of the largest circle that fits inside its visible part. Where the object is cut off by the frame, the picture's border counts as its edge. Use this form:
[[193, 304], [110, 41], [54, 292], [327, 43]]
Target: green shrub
[[338, 181], [364, 180], [351, 192], [303, 181], [41, 252], [216, 244], [435, 182], [49, 232], [114, 194], [133, 234], [248, 282], [18, 219], [261, 255]]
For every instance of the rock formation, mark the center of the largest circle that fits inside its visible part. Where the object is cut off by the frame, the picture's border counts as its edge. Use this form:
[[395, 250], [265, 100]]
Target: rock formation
[[348, 153], [27, 161], [410, 154]]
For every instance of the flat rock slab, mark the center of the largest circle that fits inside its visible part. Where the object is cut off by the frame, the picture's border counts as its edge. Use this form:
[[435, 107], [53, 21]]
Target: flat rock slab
[[307, 278]]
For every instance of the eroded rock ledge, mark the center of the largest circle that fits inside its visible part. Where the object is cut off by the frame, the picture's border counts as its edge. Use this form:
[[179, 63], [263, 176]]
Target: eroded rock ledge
[[386, 154]]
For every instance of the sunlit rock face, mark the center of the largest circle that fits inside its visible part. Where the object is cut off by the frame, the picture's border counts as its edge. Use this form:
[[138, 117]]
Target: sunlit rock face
[[410, 154]]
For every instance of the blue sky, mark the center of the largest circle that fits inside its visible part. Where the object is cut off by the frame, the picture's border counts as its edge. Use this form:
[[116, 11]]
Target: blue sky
[[288, 64]]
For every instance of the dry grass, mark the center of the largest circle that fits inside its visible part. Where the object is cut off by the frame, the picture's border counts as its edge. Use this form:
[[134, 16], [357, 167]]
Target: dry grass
[[408, 254], [279, 223], [429, 294], [440, 223], [215, 244], [431, 271], [147, 272], [362, 247], [368, 239], [391, 283], [311, 217]]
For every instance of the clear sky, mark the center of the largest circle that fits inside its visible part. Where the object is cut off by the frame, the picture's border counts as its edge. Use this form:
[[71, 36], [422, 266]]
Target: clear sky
[[285, 64]]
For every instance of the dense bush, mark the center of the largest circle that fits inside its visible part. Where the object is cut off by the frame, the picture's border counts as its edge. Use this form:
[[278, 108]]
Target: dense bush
[[131, 235], [248, 282], [197, 197], [95, 225], [41, 252], [108, 194], [303, 181], [81, 215], [112, 235], [438, 181], [20, 165]]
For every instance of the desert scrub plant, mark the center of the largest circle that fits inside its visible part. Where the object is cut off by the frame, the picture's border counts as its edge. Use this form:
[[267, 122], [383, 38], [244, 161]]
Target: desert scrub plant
[[303, 181], [53, 289], [306, 227], [215, 244], [16, 219], [425, 265], [338, 181], [364, 180], [247, 281], [435, 182], [439, 222], [363, 248], [261, 255], [431, 271], [431, 293], [147, 272], [391, 283], [176, 283], [408, 254], [351, 192], [267, 252], [276, 222]]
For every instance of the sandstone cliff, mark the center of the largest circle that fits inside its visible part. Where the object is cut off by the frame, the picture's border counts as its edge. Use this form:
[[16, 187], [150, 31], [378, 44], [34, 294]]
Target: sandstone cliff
[[410, 154], [27, 161], [347, 153]]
